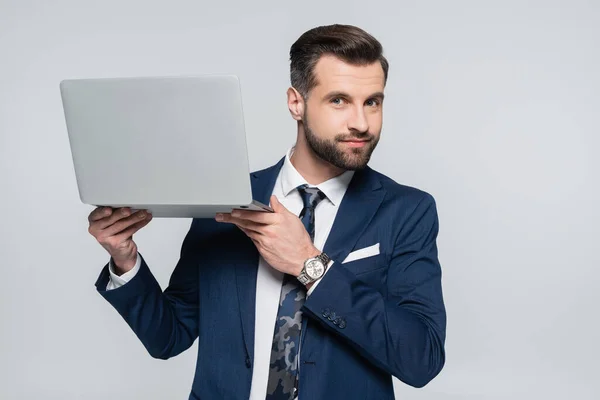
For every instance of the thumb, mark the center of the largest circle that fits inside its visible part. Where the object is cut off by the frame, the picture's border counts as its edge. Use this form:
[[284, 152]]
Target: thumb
[[276, 205]]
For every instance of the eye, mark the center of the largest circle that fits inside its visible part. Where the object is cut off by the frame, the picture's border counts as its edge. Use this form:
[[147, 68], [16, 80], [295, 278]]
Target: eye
[[338, 101], [373, 102]]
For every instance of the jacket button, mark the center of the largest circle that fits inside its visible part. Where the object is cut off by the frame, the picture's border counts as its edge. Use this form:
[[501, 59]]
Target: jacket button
[[342, 323], [326, 312], [248, 362], [332, 316]]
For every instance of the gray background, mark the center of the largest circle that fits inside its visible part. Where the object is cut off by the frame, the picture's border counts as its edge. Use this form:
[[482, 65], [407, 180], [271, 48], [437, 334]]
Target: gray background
[[492, 107]]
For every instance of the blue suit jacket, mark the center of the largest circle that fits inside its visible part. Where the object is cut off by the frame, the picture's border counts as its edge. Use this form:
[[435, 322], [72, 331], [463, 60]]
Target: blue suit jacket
[[392, 304]]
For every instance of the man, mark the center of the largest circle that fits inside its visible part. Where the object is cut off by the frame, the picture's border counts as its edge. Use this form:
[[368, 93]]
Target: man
[[328, 296]]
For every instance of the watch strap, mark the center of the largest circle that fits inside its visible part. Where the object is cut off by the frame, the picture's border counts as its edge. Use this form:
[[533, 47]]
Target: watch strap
[[325, 258], [304, 278]]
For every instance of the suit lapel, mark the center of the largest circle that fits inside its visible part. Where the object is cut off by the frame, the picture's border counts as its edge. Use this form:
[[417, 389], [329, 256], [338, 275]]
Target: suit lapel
[[360, 203], [262, 187]]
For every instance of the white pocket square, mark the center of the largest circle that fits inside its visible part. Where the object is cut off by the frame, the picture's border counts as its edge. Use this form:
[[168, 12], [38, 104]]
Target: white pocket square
[[362, 253]]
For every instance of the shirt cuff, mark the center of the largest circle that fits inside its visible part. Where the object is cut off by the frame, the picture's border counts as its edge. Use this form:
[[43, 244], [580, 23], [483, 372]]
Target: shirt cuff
[[314, 285], [116, 281]]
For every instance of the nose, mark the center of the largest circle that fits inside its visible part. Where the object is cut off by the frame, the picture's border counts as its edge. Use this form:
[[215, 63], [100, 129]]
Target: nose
[[358, 121]]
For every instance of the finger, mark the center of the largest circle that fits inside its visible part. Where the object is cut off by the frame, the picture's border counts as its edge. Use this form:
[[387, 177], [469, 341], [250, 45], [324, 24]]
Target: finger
[[117, 215], [276, 205], [125, 223], [99, 213], [129, 232], [241, 223], [251, 234], [248, 225], [259, 217]]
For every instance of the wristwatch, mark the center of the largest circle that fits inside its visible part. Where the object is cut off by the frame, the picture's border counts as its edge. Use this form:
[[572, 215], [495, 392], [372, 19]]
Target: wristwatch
[[314, 268]]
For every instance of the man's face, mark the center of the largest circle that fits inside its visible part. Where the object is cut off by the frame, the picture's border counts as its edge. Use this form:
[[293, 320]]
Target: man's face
[[343, 113]]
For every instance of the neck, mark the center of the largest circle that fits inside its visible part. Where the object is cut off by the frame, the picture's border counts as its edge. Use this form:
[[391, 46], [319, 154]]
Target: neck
[[312, 167]]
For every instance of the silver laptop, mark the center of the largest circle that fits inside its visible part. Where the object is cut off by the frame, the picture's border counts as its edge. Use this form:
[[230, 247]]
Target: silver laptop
[[175, 146]]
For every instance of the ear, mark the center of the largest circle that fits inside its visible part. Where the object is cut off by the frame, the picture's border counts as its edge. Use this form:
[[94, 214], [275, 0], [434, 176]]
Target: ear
[[295, 103]]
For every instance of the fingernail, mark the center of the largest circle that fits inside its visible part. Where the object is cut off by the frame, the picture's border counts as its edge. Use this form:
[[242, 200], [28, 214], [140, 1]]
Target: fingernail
[[142, 215], [235, 213], [219, 217], [124, 211]]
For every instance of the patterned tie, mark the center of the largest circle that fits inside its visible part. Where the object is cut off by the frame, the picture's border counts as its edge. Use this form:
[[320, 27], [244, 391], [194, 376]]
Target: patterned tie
[[284, 352]]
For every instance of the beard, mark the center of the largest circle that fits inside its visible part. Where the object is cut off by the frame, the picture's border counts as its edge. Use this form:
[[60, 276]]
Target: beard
[[331, 151]]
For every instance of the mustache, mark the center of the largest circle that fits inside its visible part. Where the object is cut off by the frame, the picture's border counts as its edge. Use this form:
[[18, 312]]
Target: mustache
[[357, 136]]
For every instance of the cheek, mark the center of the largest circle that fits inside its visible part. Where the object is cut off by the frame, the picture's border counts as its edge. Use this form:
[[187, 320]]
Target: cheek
[[338, 121], [375, 120], [329, 123]]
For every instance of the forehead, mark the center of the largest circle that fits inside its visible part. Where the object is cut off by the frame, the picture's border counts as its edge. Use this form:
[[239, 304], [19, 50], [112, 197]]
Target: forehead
[[335, 74]]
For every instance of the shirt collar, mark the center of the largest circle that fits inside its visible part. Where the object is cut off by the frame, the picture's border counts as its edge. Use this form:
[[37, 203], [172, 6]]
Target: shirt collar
[[334, 188]]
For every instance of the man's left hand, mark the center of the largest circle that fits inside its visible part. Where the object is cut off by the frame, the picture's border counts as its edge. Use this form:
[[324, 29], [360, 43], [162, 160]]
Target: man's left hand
[[280, 237]]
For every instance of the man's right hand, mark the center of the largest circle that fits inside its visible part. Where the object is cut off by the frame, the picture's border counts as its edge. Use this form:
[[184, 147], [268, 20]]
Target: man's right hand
[[114, 229]]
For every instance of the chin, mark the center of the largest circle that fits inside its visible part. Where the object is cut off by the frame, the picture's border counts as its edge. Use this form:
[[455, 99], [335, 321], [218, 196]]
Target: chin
[[357, 166], [353, 163], [355, 159]]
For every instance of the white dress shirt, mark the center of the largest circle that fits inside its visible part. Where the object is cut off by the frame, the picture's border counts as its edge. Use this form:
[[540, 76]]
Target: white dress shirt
[[269, 280]]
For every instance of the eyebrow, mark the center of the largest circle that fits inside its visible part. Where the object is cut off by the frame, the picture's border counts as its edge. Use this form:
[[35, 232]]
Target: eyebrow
[[335, 94]]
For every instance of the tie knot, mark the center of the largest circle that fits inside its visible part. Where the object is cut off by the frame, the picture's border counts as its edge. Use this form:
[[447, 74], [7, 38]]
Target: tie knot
[[311, 196]]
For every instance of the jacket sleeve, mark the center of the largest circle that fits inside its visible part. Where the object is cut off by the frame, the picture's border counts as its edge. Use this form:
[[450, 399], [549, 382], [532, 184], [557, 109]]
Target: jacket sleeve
[[403, 331], [165, 322]]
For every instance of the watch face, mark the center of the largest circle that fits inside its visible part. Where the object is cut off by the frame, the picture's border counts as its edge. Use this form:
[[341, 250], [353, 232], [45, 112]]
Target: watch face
[[315, 268]]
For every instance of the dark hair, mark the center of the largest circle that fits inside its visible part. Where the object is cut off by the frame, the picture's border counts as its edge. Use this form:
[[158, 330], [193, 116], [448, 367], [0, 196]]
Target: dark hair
[[349, 43]]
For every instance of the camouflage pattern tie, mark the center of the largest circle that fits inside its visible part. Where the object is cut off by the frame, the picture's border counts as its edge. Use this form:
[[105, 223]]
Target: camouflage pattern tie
[[283, 372]]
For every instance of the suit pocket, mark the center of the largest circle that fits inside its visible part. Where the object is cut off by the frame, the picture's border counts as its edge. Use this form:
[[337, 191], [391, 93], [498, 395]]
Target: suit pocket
[[366, 259], [365, 252]]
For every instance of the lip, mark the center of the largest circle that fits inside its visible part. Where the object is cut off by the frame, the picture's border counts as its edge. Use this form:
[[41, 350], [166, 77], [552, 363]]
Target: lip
[[355, 143]]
